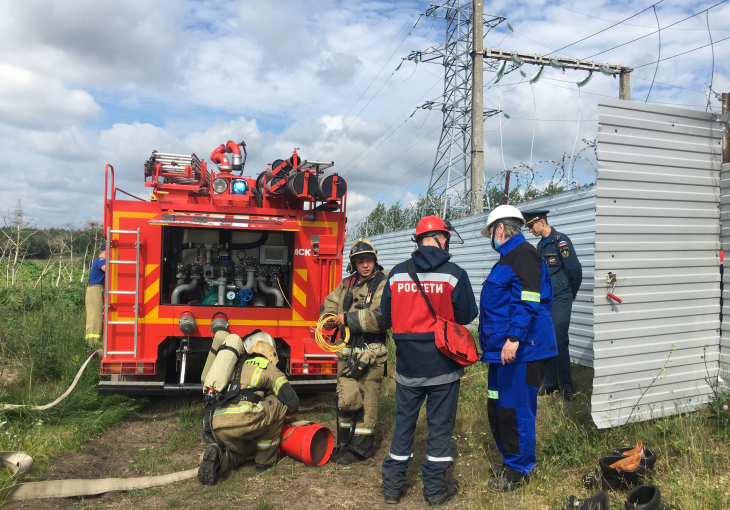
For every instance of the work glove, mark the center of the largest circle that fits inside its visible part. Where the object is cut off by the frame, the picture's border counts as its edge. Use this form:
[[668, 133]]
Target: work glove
[[357, 363]]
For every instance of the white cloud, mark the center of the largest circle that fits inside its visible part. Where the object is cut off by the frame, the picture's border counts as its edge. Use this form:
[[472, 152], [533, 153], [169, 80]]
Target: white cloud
[[87, 83], [30, 100]]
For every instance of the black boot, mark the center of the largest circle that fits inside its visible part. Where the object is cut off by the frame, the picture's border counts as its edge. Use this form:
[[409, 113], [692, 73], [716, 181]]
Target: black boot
[[546, 391], [260, 468], [452, 489], [497, 469], [645, 497], [392, 499], [348, 456], [606, 477], [600, 501], [507, 481], [568, 394], [211, 467]]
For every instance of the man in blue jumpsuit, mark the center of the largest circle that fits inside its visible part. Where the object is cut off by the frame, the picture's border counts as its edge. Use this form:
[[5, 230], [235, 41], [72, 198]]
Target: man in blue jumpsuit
[[517, 339], [566, 275]]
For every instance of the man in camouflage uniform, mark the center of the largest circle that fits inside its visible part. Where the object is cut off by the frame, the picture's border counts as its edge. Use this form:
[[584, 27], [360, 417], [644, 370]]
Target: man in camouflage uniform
[[361, 364], [254, 417]]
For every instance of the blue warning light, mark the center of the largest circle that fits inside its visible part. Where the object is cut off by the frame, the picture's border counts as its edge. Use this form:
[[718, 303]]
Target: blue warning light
[[238, 187]]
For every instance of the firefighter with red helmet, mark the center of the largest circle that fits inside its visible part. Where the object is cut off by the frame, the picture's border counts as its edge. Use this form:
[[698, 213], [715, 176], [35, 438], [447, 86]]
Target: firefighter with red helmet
[[422, 370], [246, 420], [355, 304]]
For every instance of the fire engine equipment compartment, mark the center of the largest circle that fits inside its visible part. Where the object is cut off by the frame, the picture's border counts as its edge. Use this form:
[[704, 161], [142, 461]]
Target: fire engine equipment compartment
[[225, 267], [210, 247]]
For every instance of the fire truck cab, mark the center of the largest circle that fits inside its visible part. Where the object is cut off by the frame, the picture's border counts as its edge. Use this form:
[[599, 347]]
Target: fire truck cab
[[262, 253]]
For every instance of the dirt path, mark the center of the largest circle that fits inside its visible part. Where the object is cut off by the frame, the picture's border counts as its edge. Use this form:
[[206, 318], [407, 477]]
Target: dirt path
[[166, 440]]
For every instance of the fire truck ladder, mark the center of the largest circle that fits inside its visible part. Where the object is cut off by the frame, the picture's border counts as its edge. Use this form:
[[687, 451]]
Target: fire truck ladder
[[134, 292]]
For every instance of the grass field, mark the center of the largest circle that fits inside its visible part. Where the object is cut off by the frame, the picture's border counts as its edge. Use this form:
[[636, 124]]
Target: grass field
[[42, 347]]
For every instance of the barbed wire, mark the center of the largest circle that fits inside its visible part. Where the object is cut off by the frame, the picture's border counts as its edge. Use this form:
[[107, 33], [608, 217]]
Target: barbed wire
[[545, 177]]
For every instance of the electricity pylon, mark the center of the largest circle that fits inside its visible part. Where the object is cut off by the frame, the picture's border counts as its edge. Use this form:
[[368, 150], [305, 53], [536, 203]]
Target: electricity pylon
[[451, 173]]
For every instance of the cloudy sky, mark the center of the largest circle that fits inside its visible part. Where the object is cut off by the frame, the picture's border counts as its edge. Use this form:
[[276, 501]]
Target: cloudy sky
[[89, 82]]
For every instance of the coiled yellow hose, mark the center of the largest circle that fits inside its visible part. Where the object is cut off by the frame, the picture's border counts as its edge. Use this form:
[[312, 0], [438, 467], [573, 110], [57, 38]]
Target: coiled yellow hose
[[322, 338]]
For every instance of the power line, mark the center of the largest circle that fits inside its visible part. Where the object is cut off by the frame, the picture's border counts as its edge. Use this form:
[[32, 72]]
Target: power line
[[603, 95], [364, 91], [628, 24], [402, 153], [652, 33], [607, 28], [429, 158], [659, 57], [666, 84], [363, 78], [348, 168], [683, 53], [712, 78]]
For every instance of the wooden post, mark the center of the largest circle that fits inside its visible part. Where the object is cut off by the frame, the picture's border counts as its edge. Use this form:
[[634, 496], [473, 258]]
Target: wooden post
[[624, 88], [477, 107], [506, 189]]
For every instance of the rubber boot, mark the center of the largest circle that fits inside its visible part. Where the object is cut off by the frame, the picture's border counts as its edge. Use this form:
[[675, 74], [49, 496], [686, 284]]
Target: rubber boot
[[212, 465], [645, 497], [606, 477], [600, 501]]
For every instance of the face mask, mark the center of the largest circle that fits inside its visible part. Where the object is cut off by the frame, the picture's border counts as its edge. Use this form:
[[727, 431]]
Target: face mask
[[495, 244]]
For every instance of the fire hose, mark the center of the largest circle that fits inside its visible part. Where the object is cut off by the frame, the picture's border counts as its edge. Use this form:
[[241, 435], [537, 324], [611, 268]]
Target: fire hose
[[321, 337], [20, 463]]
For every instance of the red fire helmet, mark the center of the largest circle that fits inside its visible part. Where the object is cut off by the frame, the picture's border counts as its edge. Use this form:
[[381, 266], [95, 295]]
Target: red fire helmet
[[436, 224]]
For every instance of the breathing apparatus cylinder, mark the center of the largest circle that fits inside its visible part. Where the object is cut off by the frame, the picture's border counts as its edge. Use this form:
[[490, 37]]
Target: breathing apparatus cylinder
[[223, 365], [218, 339]]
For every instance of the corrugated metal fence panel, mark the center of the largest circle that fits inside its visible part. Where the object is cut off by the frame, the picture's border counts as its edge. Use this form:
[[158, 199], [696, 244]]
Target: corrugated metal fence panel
[[657, 229], [571, 212], [725, 217]]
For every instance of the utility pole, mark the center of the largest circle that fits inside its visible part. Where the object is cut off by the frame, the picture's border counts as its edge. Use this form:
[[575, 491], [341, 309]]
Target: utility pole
[[451, 174], [561, 63], [477, 104], [725, 134], [624, 86], [506, 189]]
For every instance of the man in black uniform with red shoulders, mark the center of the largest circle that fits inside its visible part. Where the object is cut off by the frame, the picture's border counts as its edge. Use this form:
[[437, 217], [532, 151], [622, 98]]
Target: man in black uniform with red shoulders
[[566, 275]]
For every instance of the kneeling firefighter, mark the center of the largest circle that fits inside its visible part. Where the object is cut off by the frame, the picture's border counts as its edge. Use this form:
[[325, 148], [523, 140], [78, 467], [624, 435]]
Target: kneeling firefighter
[[355, 304], [247, 401]]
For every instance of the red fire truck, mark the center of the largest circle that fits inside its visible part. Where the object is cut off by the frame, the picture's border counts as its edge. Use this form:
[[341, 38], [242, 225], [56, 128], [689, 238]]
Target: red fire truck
[[260, 253]]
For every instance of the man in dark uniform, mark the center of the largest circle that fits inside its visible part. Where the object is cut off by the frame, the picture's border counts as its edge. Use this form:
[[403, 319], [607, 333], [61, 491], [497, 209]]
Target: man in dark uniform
[[566, 275]]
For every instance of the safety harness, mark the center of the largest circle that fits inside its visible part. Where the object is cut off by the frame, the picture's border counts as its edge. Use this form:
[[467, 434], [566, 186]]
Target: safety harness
[[231, 395]]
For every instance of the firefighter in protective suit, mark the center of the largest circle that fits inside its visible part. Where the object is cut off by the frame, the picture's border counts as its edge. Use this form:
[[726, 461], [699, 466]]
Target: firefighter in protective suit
[[258, 400], [355, 304]]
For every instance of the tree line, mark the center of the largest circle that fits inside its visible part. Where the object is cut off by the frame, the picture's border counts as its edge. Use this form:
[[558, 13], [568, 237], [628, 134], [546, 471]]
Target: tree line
[[65, 252], [384, 219]]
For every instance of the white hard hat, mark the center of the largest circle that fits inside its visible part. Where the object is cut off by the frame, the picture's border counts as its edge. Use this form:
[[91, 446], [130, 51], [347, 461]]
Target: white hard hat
[[259, 336], [503, 212]]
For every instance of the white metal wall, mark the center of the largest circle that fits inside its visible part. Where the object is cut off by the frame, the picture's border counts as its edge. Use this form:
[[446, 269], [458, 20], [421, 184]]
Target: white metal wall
[[725, 217], [657, 229], [571, 212]]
